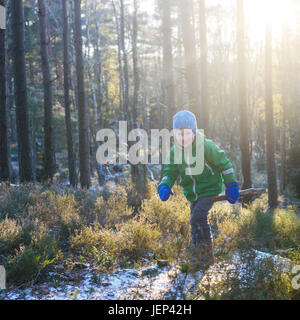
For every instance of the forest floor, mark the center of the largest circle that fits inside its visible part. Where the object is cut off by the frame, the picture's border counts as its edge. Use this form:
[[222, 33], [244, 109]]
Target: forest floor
[[148, 282], [59, 243]]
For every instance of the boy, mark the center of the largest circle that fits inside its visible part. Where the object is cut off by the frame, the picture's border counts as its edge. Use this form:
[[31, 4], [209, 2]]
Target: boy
[[198, 188]]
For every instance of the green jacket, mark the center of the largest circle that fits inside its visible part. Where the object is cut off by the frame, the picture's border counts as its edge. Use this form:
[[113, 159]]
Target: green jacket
[[217, 170]]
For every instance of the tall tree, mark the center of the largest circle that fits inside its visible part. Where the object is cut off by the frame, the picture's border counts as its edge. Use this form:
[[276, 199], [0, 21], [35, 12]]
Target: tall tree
[[99, 79], [24, 149], [285, 58], [126, 115], [203, 65], [121, 77], [49, 146], [136, 77], [138, 171], [168, 73], [272, 181], [180, 81], [99, 74], [71, 159], [4, 154], [95, 75], [191, 72], [84, 149], [244, 127]]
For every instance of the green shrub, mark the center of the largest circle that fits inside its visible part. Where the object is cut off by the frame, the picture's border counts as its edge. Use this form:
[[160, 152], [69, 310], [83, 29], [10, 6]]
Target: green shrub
[[38, 224], [91, 238], [14, 200], [132, 239], [86, 200], [103, 259], [114, 210], [28, 261], [248, 278], [287, 228], [171, 219], [59, 212], [171, 216], [253, 227], [140, 238], [10, 232]]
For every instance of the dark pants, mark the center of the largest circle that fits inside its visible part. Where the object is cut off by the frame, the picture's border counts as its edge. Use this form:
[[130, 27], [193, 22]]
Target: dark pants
[[200, 228]]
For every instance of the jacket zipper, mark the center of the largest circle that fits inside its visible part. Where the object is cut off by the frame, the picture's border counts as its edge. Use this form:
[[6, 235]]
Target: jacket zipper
[[190, 174]]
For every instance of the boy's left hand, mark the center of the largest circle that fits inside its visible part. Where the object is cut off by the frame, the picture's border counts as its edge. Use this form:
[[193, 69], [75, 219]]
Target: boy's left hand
[[232, 192]]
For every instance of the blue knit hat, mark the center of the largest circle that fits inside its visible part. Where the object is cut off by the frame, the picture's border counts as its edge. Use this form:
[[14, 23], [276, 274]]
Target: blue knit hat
[[185, 119]]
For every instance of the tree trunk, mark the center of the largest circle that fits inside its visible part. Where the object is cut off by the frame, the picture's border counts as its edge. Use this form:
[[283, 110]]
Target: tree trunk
[[180, 81], [137, 171], [92, 76], [136, 79], [203, 71], [121, 77], [244, 127], [98, 63], [192, 78], [284, 93], [168, 76], [24, 150], [71, 159], [125, 64], [82, 110], [272, 182], [11, 123], [99, 76], [4, 155], [49, 146]]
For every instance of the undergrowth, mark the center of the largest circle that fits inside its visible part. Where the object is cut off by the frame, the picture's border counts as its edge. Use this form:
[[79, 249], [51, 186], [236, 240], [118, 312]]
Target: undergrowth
[[43, 227]]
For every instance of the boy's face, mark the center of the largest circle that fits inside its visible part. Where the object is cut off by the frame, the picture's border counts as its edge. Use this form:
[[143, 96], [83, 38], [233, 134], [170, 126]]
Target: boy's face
[[184, 137]]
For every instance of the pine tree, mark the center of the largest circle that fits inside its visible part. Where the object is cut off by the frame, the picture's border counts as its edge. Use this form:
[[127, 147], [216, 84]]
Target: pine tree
[[22, 119], [84, 149], [4, 155]]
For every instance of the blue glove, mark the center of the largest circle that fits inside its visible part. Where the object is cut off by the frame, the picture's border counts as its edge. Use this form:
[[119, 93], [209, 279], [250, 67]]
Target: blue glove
[[164, 192], [232, 192]]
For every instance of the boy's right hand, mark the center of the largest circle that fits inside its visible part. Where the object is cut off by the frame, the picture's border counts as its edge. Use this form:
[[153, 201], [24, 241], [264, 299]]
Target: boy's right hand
[[164, 192]]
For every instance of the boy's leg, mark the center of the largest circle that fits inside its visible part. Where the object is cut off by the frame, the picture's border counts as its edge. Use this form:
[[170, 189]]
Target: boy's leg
[[200, 229]]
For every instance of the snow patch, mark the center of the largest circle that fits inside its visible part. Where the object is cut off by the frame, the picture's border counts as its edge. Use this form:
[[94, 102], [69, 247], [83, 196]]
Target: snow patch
[[145, 283]]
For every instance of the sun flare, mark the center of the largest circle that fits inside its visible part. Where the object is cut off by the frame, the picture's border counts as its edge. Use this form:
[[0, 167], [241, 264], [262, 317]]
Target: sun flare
[[276, 13]]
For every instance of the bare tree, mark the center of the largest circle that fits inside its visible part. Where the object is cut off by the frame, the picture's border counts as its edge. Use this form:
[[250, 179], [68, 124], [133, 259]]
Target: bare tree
[[99, 74], [121, 77], [168, 74], [138, 171], [84, 149], [136, 77], [272, 182], [125, 63], [188, 32], [49, 146], [24, 150], [180, 81], [284, 93], [71, 159], [4, 154], [203, 70], [244, 127]]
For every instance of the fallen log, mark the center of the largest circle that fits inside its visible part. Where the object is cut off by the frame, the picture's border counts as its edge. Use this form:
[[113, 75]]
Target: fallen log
[[247, 193]]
